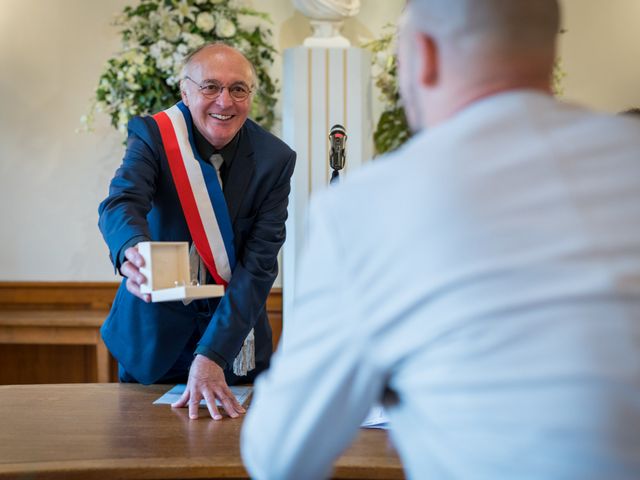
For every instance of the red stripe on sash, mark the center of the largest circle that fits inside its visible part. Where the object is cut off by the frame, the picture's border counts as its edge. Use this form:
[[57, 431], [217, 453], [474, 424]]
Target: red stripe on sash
[[185, 194]]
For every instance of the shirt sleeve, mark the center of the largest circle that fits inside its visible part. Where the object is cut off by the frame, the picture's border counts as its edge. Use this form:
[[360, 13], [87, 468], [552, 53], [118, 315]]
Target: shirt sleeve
[[308, 406], [123, 214], [211, 355]]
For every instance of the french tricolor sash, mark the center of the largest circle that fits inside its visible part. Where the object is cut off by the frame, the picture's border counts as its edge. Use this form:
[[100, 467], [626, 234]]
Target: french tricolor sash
[[200, 193]]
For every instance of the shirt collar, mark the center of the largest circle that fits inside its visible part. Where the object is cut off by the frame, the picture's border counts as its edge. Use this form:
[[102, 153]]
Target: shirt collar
[[205, 149]]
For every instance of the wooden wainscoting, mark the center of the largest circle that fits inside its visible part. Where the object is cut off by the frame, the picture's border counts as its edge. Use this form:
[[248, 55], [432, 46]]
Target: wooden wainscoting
[[49, 331]]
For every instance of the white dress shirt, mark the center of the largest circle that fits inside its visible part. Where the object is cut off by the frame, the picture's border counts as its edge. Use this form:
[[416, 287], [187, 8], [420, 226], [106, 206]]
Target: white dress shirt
[[487, 273]]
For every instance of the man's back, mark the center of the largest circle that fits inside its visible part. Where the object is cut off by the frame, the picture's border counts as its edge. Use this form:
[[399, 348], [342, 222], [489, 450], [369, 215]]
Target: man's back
[[487, 278], [497, 276]]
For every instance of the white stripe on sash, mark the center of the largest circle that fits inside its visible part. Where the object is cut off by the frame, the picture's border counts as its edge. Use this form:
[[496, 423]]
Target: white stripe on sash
[[200, 193]]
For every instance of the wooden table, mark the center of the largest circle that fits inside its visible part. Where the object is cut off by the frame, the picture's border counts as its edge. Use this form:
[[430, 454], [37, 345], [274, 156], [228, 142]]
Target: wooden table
[[63, 327], [105, 431]]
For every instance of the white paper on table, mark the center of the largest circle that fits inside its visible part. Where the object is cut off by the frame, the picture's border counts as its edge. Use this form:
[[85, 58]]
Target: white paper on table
[[241, 393], [376, 418]]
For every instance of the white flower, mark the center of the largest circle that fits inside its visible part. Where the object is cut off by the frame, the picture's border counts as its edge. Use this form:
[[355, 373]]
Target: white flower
[[200, 2], [250, 22], [205, 22], [123, 118], [171, 31], [130, 74], [215, 2], [381, 58], [165, 63], [184, 10], [243, 45], [193, 40], [141, 27], [156, 49], [178, 59], [164, 16], [160, 48], [225, 28], [133, 57], [155, 19]]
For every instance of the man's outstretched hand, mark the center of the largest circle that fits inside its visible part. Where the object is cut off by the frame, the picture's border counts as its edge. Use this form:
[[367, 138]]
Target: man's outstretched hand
[[206, 380], [131, 269]]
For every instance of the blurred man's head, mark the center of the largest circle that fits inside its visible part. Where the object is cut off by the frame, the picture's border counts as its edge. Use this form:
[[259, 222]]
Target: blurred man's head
[[217, 85], [452, 52]]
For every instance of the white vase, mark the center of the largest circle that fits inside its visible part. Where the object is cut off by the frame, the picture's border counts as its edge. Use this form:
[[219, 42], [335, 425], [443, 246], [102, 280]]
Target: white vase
[[326, 18]]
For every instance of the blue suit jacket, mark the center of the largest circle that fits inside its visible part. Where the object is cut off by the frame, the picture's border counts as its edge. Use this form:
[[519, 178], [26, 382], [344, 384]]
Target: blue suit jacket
[[148, 338]]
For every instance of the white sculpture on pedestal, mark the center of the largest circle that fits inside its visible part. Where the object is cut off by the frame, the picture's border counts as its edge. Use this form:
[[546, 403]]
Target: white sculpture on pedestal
[[326, 18]]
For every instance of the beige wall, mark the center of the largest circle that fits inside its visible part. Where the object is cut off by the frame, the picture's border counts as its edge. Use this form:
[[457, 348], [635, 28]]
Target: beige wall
[[52, 52], [51, 179], [600, 52]]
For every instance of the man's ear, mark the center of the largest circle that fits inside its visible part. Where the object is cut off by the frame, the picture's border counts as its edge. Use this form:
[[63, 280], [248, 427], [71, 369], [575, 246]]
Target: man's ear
[[429, 53], [183, 94]]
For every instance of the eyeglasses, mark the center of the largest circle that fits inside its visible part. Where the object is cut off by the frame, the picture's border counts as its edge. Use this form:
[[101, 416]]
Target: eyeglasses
[[212, 90]]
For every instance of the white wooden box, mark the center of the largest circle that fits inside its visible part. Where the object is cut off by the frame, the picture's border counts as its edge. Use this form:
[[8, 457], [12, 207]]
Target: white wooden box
[[166, 267]]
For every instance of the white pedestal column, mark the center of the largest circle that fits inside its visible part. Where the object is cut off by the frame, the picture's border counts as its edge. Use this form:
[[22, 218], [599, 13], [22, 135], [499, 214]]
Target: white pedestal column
[[321, 87]]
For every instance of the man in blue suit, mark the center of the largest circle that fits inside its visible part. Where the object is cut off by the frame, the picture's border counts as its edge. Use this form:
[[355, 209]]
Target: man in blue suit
[[197, 342]]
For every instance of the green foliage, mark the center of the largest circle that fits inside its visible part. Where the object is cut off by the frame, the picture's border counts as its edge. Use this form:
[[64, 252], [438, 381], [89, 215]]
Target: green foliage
[[391, 131], [143, 78], [556, 78]]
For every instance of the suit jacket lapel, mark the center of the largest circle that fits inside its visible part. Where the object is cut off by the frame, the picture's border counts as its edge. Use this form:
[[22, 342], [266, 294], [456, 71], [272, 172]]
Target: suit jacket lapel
[[239, 175]]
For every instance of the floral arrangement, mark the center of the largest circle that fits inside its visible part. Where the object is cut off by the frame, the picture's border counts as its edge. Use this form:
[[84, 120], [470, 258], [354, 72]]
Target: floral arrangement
[[392, 129], [157, 35]]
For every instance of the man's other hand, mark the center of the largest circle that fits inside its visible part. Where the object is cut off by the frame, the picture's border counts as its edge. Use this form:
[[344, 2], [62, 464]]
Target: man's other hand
[[206, 380], [131, 269]]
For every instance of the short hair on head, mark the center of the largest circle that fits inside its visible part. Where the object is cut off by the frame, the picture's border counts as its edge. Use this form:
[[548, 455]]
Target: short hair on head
[[189, 58], [507, 24]]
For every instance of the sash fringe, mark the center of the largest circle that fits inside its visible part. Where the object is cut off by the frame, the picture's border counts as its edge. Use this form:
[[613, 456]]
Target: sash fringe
[[246, 359]]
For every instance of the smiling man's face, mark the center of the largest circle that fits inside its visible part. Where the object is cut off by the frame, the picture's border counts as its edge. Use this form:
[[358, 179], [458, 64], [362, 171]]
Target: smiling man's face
[[219, 119]]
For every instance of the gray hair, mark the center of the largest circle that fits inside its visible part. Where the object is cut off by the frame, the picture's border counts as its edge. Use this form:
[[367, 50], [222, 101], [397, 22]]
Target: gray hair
[[189, 58], [506, 25]]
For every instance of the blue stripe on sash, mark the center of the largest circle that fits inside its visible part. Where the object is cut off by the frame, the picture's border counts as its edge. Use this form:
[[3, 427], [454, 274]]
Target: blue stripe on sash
[[214, 190]]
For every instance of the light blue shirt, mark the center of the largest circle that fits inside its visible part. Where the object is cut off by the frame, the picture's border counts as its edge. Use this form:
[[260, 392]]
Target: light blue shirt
[[489, 274]]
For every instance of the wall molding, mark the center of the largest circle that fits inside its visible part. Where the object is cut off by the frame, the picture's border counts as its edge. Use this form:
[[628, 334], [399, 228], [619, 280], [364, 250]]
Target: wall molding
[[57, 295], [79, 296]]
